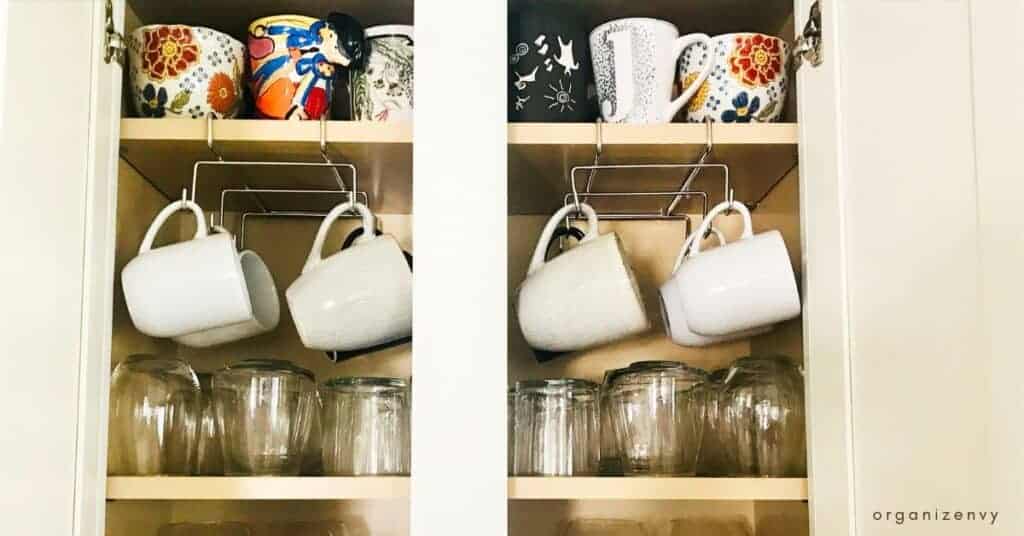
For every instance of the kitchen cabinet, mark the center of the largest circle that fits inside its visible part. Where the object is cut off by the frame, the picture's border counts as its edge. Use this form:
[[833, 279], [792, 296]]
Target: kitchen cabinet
[[889, 178]]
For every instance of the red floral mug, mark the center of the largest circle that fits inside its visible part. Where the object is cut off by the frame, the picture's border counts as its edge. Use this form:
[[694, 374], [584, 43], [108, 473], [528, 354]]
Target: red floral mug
[[185, 71], [748, 80]]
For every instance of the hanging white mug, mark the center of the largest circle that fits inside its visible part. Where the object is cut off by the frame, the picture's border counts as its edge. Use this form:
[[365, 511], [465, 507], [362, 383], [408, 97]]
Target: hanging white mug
[[358, 297], [266, 309], [676, 326], [585, 297], [185, 287], [634, 68], [743, 285]]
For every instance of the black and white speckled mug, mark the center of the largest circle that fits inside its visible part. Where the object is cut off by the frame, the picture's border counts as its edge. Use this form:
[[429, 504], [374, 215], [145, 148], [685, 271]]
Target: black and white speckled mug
[[634, 67]]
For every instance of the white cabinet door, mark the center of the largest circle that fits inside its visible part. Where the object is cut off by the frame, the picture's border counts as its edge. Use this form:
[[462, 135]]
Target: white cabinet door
[[59, 127], [929, 232]]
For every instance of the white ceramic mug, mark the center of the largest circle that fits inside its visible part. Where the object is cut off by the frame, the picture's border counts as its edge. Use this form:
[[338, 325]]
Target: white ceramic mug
[[266, 309], [185, 287], [585, 297], [743, 285], [676, 326], [358, 297], [634, 68]]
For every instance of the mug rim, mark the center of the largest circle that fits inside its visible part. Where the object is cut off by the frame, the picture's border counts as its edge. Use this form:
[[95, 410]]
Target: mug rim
[[662, 22], [389, 30], [289, 17], [730, 35], [140, 29]]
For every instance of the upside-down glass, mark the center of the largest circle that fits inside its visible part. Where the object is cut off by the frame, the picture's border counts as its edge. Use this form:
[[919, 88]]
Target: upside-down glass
[[264, 413], [717, 456], [209, 452], [611, 456], [366, 426], [604, 527], [657, 413], [205, 529], [154, 407], [763, 402], [556, 428]]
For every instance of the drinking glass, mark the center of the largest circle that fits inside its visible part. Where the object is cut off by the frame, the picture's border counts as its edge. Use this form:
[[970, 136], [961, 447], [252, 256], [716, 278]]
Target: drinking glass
[[154, 406], [611, 453], [366, 426], [313, 461], [264, 413], [604, 527], [657, 413], [717, 455], [763, 404], [556, 428], [209, 452], [205, 529]]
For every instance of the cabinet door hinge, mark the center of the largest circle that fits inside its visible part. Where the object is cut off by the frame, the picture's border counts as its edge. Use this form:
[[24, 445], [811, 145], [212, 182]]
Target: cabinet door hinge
[[808, 45], [113, 40]]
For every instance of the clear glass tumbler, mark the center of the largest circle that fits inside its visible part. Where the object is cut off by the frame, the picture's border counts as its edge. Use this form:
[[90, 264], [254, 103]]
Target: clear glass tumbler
[[657, 412], [557, 428], [717, 455], [220, 528], [264, 413], [604, 527], [366, 426], [209, 452], [154, 408], [611, 453], [763, 406]]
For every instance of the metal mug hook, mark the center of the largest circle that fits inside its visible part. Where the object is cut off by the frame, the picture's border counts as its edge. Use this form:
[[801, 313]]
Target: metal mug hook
[[209, 137]]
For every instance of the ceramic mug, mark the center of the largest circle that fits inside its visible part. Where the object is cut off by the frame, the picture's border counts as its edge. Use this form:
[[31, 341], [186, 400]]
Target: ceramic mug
[[585, 297], [549, 65], [266, 308], [635, 65], [746, 284], [748, 80], [186, 287], [382, 89], [676, 325], [185, 71], [293, 61], [357, 298]]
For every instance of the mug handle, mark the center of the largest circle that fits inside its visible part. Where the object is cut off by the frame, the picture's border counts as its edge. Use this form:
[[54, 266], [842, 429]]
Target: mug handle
[[549, 231], [562, 231], [678, 48], [748, 228], [316, 253], [161, 218], [688, 243]]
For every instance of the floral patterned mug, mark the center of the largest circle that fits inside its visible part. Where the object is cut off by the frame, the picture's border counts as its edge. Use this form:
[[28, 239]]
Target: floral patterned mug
[[748, 79], [185, 71]]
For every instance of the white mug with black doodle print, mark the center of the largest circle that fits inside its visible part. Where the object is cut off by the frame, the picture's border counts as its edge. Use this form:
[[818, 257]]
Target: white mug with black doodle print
[[634, 68]]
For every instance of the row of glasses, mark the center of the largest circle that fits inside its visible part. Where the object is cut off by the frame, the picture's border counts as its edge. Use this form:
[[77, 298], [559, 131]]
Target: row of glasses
[[233, 528], [255, 417], [727, 526]]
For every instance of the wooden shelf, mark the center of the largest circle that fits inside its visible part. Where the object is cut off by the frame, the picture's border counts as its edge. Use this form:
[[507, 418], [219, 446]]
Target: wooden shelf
[[255, 488], [164, 151], [542, 155], [642, 488]]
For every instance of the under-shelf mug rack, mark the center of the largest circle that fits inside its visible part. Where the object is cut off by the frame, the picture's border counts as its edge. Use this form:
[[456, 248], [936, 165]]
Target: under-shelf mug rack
[[670, 210]]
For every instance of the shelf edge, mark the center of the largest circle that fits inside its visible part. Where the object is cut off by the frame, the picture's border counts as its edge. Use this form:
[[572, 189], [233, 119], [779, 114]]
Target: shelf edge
[[256, 488], [643, 488]]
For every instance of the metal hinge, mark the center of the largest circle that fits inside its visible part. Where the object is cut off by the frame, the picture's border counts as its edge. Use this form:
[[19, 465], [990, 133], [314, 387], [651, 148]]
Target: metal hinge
[[808, 45], [113, 40]]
